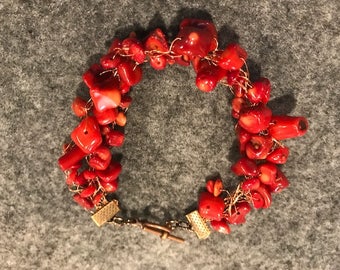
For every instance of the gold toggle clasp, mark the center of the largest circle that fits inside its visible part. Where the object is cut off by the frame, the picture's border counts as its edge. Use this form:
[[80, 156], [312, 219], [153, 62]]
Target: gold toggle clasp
[[162, 231]]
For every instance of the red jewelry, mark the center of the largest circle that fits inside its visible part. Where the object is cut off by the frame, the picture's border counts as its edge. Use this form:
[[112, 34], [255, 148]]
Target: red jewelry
[[92, 174]]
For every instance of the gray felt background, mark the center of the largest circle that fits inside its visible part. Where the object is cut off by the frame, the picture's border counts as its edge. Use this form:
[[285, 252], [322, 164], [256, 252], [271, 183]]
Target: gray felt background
[[176, 136]]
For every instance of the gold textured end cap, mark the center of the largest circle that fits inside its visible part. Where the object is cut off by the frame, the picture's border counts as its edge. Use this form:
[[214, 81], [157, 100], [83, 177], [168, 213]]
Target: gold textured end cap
[[198, 224], [105, 213]]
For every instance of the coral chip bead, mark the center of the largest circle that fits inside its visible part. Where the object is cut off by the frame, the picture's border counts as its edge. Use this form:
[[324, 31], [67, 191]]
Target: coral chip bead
[[105, 99], [215, 187], [195, 38], [221, 226], [129, 72], [238, 213], [265, 193], [105, 117], [70, 177], [114, 138], [83, 202], [111, 173], [116, 44], [79, 107], [258, 147], [109, 186], [210, 186], [208, 77], [158, 62], [97, 198], [267, 173], [281, 182], [110, 60], [250, 184], [80, 180], [245, 166], [257, 199], [278, 155], [255, 119], [89, 175], [88, 191], [100, 159], [121, 119], [260, 91], [125, 102], [87, 135], [233, 57], [243, 137], [134, 48], [210, 207], [156, 41]]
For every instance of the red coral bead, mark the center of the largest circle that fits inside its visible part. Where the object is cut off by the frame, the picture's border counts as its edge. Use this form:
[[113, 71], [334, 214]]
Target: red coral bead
[[121, 119], [215, 187], [267, 173], [114, 138], [87, 135], [281, 182], [238, 213], [285, 127], [256, 199], [238, 104], [111, 60], [72, 174], [279, 155], [110, 187], [89, 175], [105, 117], [124, 87], [210, 207], [233, 57], [97, 198], [210, 186], [255, 119], [156, 41], [130, 73], [158, 62], [79, 107], [195, 38], [90, 76], [125, 102], [265, 193], [111, 173], [106, 99], [245, 166], [100, 159], [134, 49], [83, 202], [115, 46], [250, 184], [71, 158], [208, 77], [260, 91], [258, 147], [243, 138], [221, 226], [88, 191], [80, 180]]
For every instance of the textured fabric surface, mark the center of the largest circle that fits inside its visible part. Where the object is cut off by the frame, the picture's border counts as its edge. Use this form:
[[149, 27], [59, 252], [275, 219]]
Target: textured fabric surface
[[176, 136]]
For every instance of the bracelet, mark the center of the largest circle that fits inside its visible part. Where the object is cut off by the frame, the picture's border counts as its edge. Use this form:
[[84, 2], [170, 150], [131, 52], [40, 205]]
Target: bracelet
[[92, 173]]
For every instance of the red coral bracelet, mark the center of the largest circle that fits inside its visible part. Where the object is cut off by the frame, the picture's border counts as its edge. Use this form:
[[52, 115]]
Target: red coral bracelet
[[92, 173]]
